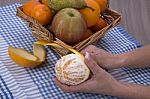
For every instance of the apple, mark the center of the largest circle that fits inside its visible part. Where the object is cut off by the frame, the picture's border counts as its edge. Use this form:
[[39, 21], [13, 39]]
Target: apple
[[69, 25]]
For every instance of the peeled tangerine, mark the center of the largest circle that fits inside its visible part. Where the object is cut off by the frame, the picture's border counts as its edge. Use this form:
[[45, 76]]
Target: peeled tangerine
[[71, 70]]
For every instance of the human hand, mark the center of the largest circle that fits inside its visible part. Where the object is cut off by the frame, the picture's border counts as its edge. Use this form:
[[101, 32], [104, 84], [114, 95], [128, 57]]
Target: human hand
[[100, 81], [103, 58]]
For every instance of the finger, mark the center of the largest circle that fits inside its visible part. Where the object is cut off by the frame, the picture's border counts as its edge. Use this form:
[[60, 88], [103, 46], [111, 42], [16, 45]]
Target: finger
[[91, 64], [93, 57], [84, 51], [89, 49], [77, 88]]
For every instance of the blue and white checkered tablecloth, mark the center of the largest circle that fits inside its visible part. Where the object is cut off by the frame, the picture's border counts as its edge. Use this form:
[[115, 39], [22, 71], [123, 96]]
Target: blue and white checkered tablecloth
[[26, 83]]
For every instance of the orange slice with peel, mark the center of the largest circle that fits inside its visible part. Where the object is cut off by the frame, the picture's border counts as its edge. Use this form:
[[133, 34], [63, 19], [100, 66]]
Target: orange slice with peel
[[42, 42], [26, 59]]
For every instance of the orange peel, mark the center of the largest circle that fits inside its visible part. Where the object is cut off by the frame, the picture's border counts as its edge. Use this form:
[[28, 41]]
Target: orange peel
[[26, 59], [42, 42]]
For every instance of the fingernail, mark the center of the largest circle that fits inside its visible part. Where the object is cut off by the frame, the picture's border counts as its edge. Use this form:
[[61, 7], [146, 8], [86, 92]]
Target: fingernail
[[87, 56]]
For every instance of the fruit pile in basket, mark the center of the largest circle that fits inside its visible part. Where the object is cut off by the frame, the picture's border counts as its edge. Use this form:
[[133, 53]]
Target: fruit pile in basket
[[71, 21]]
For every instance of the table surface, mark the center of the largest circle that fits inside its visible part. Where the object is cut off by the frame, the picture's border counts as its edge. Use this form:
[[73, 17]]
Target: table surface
[[33, 83], [131, 10]]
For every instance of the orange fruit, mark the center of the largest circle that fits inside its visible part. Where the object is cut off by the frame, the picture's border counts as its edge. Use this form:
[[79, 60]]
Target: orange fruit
[[103, 4], [28, 6], [86, 35], [100, 24], [91, 15], [42, 14]]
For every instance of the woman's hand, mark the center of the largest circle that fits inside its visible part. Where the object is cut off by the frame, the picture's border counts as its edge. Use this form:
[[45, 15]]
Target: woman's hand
[[100, 82], [103, 58]]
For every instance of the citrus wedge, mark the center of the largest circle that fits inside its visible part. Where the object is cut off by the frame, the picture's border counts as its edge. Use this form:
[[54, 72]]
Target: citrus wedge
[[42, 42], [26, 59]]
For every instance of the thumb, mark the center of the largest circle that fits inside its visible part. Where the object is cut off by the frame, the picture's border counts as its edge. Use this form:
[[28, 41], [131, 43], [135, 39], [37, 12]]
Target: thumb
[[91, 63]]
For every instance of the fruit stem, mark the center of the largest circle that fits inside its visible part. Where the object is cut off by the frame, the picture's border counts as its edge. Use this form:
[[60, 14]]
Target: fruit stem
[[40, 1], [90, 8]]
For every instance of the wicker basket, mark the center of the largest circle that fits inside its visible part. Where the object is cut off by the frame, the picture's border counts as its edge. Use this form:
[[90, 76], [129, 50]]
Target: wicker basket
[[112, 17]]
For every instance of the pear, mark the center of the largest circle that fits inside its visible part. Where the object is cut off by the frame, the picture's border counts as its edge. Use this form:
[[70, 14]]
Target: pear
[[57, 5]]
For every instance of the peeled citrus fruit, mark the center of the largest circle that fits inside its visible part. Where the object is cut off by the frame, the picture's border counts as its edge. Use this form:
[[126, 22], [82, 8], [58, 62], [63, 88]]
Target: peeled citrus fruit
[[71, 70], [26, 59]]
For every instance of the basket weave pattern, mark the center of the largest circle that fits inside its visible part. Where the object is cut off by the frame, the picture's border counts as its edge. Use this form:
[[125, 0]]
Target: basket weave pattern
[[111, 17]]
